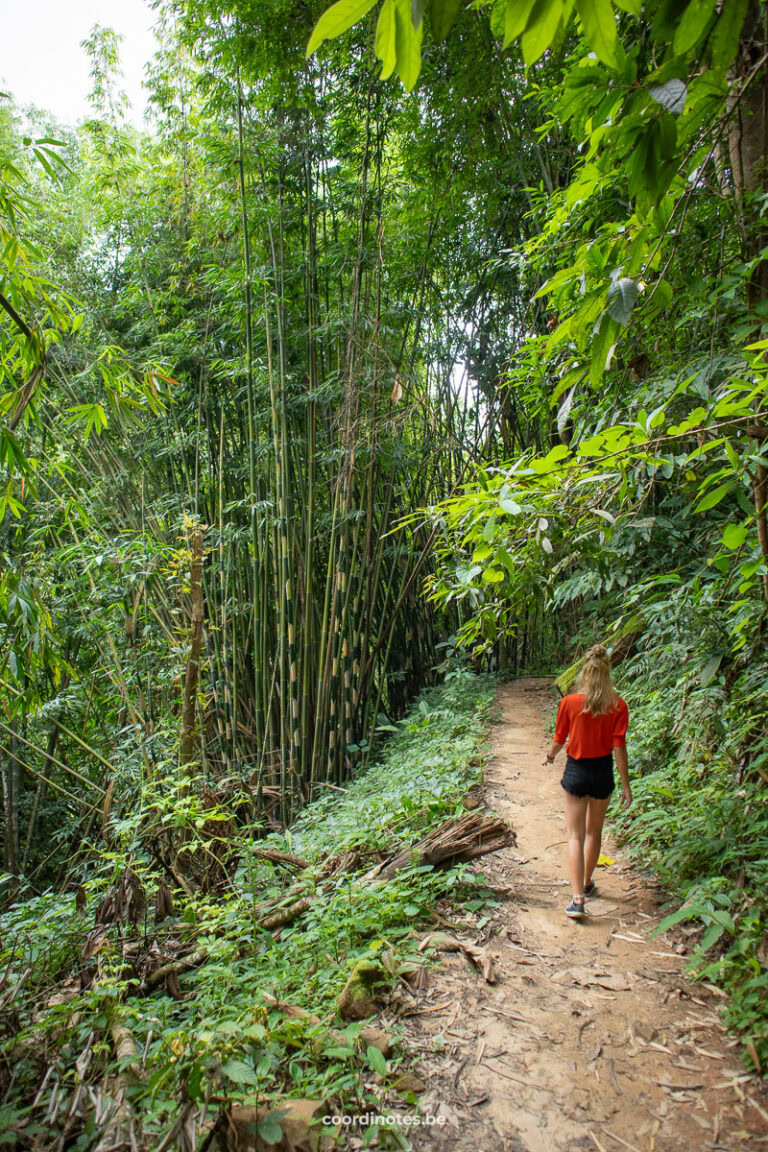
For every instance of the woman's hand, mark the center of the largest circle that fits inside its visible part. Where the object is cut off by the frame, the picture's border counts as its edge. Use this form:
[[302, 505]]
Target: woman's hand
[[626, 799]]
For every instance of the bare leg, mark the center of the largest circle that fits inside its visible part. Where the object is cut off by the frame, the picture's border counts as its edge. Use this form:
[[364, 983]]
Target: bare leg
[[576, 818], [596, 810]]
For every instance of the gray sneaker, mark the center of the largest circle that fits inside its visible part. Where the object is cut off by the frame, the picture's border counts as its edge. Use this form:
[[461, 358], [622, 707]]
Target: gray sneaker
[[576, 909]]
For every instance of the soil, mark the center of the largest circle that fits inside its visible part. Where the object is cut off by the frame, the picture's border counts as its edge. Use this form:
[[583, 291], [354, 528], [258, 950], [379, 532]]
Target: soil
[[591, 1038]]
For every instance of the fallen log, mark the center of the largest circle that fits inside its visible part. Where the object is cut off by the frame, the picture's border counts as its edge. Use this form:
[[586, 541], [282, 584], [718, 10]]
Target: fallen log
[[286, 915], [175, 968], [279, 857], [461, 838]]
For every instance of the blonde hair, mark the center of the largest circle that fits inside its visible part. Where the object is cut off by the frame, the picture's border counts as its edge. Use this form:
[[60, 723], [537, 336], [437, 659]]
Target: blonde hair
[[595, 682]]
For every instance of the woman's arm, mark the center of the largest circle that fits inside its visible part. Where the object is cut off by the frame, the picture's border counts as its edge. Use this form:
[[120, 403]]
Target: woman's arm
[[552, 753], [620, 755], [562, 728]]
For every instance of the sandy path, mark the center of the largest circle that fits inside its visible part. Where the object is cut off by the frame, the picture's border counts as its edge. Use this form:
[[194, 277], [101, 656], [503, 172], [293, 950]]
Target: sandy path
[[591, 1038]]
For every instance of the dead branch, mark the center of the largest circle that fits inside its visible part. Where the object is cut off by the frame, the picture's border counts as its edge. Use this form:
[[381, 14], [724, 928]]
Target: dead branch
[[461, 838], [286, 915], [279, 857], [175, 968]]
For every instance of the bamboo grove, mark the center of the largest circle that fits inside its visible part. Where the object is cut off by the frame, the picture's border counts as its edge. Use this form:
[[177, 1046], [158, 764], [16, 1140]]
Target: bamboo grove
[[288, 295]]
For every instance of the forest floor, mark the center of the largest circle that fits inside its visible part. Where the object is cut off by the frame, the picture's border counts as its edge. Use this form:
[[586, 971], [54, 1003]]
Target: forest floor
[[591, 1037]]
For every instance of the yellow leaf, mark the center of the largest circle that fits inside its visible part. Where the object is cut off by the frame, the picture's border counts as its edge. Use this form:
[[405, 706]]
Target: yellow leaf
[[603, 861]]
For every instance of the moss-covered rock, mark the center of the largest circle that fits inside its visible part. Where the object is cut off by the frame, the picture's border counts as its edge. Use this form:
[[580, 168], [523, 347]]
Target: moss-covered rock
[[358, 997]]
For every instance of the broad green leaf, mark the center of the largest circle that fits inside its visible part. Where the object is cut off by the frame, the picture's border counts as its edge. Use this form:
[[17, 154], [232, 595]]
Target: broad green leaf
[[503, 557], [510, 506], [735, 535], [270, 1131], [600, 30], [714, 496], [337, 19], [540, 32], [240, 1072], [686, 913], [711, 937], [634, 7], [692, 26], [724, 919], [493, 576], [255, 1031], [516, 19], [407, 44], [385, 38], [622, 296], [466, 575], [724, 41], [417, 12], [498, 17], [442, 17], [554, 457], [376, 1060]]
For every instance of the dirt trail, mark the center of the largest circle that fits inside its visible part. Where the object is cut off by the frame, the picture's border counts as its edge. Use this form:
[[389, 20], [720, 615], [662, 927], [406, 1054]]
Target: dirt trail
[[591, 1038]]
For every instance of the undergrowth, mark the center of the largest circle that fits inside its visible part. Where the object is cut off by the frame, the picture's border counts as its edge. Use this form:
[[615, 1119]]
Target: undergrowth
[[213, 1038], [699, 818]]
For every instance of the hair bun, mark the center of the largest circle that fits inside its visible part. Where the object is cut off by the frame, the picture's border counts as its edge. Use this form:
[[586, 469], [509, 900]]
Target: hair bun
[[597, 652]]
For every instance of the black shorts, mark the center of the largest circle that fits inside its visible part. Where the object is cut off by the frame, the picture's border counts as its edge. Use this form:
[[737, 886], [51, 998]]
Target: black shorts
[[589, 776]]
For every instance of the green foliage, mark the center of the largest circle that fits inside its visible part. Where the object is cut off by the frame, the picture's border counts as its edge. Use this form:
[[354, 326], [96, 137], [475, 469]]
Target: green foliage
[[223, 1037], [544, 24], [699, 818]]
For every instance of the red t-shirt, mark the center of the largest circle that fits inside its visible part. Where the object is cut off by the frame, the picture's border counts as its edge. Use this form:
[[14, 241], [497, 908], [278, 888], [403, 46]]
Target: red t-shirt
[[589, 735]]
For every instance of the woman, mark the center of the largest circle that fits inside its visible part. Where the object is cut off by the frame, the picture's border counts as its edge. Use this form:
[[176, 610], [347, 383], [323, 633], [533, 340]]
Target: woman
[[593, 720]]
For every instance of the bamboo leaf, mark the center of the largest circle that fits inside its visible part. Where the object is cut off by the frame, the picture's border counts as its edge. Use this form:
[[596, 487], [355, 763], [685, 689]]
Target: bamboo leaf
[[407, 44], [714, 496], [386, 51], [337, 19]]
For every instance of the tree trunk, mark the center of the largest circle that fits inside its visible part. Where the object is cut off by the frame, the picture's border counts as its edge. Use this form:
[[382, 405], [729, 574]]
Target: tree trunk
[[192, 678]]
